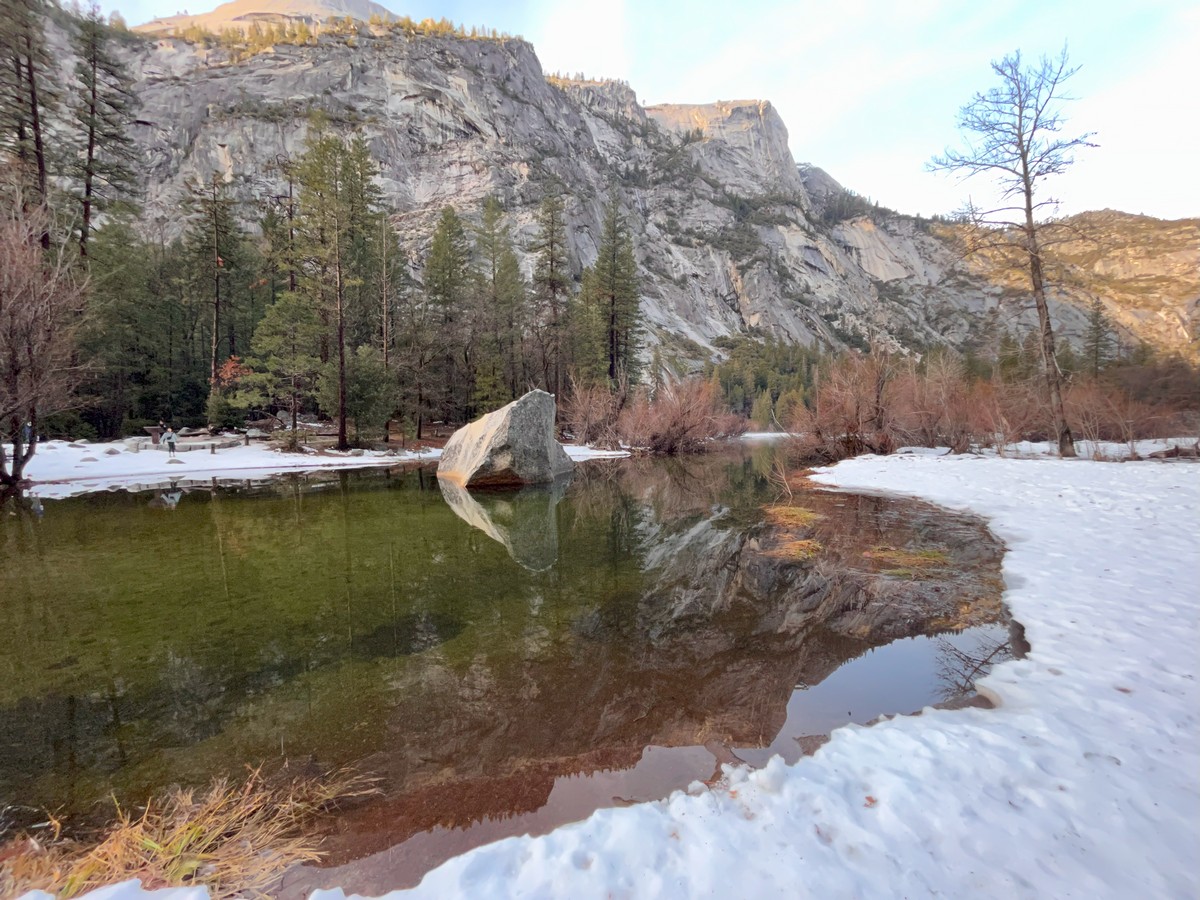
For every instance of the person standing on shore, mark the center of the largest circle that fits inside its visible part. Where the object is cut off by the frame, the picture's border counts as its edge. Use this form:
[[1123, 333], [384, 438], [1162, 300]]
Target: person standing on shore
[[169, 439]]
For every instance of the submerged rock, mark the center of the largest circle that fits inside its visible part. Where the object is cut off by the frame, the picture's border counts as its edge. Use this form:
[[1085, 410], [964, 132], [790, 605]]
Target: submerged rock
[[510, 447]]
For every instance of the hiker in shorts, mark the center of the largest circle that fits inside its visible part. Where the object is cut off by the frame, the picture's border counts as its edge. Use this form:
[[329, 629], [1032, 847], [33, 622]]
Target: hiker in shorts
[[169, 440]]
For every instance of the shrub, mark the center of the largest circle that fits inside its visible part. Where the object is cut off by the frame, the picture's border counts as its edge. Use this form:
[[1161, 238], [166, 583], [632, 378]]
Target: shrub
[[1103, 412], [851, 412], [934, 407], [590, 413], [67, 425], [680, 418], [223, 414]]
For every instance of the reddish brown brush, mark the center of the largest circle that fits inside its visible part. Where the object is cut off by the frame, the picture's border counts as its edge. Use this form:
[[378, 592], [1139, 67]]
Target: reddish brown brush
[[682, 417]]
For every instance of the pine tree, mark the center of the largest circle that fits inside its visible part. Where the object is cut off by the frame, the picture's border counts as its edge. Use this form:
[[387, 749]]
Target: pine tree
[[278, 226], [419, 349], [364, 234], [499, 311], [103, 111], [551, 288], [131, 339], [27, 96], [616, 293], [321, 247], [337, 222], [585, 327], [214, 241], [1098, 338], [367, 395], [762, 411], [390, 285], [284, 357], [448, 285]]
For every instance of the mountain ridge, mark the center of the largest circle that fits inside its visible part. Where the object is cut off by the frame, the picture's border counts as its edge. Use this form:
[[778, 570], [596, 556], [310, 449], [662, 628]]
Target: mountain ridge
[[733, 236], [243, 14]]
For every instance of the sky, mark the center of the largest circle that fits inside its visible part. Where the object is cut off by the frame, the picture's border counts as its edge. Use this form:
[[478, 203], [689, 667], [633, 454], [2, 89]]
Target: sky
[[870, 89]]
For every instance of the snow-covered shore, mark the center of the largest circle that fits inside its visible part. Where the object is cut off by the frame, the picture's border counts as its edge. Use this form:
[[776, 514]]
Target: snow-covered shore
[[1084, 781], [61, 469]]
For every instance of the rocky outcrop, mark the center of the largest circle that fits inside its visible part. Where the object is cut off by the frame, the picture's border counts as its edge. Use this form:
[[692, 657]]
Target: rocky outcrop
[[744, 140], [510, 447]]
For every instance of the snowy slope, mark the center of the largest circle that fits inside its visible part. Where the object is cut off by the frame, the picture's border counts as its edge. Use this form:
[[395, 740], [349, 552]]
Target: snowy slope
[[1084, 782]]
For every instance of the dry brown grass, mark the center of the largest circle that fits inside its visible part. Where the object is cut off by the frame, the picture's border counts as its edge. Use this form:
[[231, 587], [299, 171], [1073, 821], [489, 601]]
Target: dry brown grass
[[235, 839], [792, 516], [906, 562], [800, 549]]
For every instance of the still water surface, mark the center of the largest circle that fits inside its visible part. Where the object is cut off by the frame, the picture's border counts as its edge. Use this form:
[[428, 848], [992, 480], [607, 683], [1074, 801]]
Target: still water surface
[[504, 663]]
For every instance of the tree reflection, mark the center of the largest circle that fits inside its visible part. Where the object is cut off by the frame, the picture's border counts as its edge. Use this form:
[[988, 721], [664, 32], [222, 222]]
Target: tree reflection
[[959, 668]]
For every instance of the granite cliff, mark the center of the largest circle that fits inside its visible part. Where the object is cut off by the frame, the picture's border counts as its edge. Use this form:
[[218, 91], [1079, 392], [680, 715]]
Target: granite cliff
[[732, 236]]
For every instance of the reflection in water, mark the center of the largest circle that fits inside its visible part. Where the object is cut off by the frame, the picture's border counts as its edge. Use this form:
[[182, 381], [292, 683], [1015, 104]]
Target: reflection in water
[[960, 666], [523, 521], [166, 499], [651, 630]]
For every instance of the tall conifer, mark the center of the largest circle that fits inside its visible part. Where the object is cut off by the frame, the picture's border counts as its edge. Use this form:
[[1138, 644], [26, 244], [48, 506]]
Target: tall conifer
[[103, 111], [551, 288], [615, 292], [448, 285], [500, 311]]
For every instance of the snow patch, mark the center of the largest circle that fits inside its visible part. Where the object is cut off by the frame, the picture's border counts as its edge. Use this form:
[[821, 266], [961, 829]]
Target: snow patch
[[579, 452], [60, 469]]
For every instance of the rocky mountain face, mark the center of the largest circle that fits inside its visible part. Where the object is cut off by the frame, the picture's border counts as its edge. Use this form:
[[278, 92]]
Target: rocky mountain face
[[731, 235], [244, 14]]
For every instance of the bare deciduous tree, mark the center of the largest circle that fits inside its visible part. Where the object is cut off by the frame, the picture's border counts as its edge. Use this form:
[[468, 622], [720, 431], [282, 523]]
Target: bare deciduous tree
[[1013, 134], [41, 302]]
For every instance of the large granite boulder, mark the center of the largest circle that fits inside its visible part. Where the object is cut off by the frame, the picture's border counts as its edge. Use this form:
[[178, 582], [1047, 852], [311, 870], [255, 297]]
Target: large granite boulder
[[510, 447]]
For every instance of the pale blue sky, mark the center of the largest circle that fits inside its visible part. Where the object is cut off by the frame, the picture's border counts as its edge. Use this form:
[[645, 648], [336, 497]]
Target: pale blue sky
[[869, 89]]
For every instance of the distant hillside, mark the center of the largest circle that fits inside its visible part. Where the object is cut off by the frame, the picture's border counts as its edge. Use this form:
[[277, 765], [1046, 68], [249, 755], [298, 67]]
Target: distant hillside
[[1144, 271], [242, 14]]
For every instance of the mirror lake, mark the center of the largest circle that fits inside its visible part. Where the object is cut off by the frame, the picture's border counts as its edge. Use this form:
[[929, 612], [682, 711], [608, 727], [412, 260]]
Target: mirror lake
[[502, 663]]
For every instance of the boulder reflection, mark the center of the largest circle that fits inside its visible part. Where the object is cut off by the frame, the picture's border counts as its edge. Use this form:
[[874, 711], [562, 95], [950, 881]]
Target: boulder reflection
[[524, 521]]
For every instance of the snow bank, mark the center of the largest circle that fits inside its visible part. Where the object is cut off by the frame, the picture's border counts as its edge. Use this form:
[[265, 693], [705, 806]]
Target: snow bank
[[579, 452], [1083, 782], [765, 435], [61, 469]]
